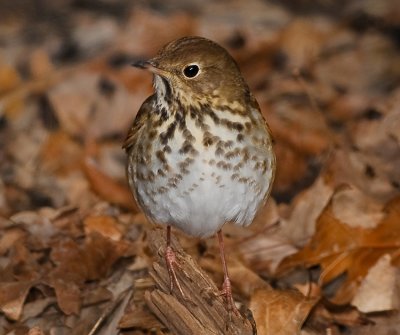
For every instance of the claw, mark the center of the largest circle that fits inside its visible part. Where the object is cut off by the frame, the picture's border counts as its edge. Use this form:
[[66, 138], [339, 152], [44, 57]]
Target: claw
[[171, 262], [226, 286], [170, 259], [227, 293]]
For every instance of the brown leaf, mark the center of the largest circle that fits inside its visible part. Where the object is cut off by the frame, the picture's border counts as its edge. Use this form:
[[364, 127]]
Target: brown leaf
[[88, 262], [306, 208], [108, 188], [36, 331], [12, 298], [104, 225], [280, 312], [302, 41], [339, 247], [77, 264], [9, 78], [9, 238], [68, 296], [379, 290], [40, 64], [60, 153]]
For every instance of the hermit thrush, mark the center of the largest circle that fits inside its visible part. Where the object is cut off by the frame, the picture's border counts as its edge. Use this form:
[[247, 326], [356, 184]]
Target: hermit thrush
[[199, 151]]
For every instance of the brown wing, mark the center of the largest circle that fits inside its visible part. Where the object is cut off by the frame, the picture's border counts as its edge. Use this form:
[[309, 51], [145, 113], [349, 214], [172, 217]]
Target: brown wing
[[140, 119]]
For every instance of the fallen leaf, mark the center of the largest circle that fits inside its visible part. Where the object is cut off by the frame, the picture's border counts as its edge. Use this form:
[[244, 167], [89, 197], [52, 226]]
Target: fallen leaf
[[9, 238], [12, 298], [280, 312], [104, 225], [307, 206], [379, 291], [77, 264], [9, 78], [60, 153], [35, 331], [302, 40], [68, 295], [338, 248], [106, 187], [40, 64], [352, 207]]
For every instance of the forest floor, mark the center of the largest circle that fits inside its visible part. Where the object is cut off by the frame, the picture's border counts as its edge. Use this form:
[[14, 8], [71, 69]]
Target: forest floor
[[76, 254]]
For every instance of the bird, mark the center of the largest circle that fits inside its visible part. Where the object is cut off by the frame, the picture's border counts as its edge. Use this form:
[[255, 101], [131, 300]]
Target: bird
[[199, 152]]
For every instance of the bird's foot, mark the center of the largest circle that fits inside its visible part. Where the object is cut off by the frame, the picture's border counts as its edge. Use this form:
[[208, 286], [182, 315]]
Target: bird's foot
[[227, 293], [171, 262]]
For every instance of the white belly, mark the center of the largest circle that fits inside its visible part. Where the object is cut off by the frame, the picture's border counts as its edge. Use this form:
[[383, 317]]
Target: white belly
[[207, 193]]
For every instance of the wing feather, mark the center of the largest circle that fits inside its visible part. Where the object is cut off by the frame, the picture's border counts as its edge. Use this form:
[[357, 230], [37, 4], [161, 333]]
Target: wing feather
[[140, 119]]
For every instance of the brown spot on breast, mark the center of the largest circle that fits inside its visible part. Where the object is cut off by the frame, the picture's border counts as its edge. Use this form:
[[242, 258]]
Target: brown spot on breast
[[151, 176], [140, 176], [162, 190], [188, 135], [245, 154], [238, 126], [228, 144], [213, 116], [187, 147], [223, 165], [207, 141], [235, 176], [169, 133], [152, 134], [174, 181], [161, 156], [161, 173], [238, 166], [243, 180], [219, 151], [233, 153], [185, 164]]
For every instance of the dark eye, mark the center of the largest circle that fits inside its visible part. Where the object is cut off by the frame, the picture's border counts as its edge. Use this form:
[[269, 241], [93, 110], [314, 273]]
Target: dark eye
[[191, 71]]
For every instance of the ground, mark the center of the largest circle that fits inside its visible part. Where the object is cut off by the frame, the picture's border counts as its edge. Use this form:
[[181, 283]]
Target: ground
[[76, 254]]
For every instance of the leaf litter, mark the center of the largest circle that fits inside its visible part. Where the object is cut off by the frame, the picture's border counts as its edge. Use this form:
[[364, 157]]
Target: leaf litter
[[322, 257]]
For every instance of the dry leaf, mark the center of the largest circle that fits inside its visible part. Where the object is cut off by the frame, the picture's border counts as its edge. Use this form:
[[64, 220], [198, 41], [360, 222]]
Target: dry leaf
[[280, 312], [352, 207], [380, 289], [40, 64], [60, 153], [108, 188], [35, 331], [9, 238], [307, 206], [77, 264], [338, 248], [104, 225], [12, 298]]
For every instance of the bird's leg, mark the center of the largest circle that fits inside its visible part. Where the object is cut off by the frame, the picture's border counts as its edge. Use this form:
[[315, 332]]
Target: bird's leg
[[226, 286], [170, 260]]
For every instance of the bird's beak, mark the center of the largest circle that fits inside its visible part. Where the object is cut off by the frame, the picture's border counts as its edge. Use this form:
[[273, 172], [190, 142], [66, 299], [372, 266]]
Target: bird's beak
[[151, 66], [141, 64]]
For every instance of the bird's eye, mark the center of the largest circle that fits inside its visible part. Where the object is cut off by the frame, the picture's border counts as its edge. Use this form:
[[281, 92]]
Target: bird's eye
[[191, 71]]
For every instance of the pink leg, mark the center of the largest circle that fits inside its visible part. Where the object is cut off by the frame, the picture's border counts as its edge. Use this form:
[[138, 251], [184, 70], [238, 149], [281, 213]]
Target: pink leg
[[226, 286], [170, 259]]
